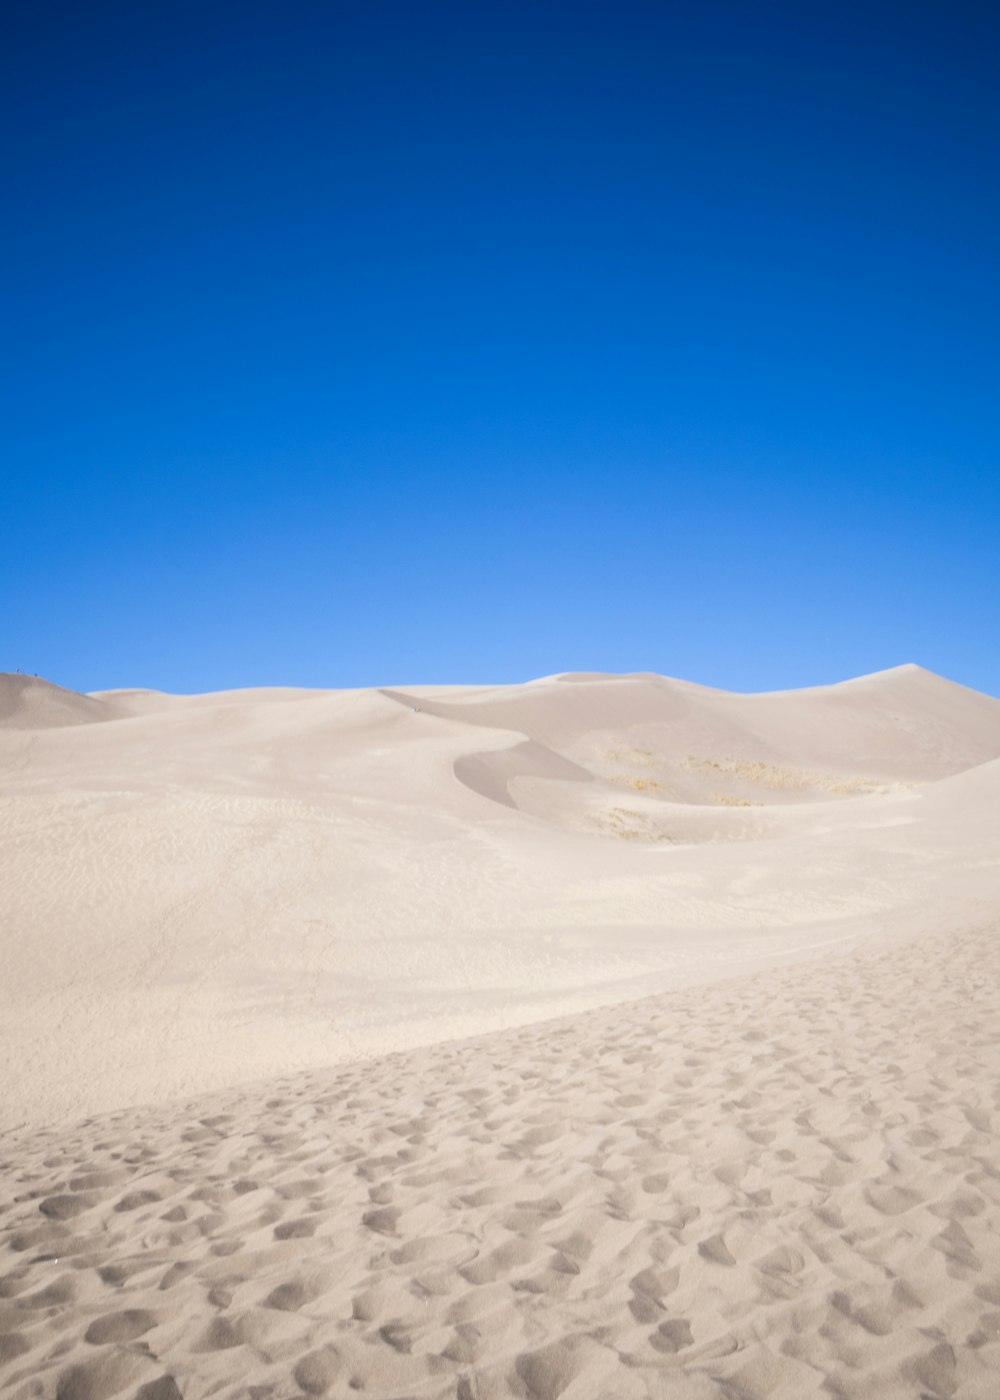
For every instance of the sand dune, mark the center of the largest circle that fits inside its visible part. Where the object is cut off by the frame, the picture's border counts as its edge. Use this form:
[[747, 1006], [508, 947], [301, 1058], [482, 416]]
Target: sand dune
[[248, 935], [29, 703], [202, 890]]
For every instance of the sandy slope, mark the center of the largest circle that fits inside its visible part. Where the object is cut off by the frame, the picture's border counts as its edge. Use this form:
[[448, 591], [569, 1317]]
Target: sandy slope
[[197, 891], [767, 1188], [778, 1176]]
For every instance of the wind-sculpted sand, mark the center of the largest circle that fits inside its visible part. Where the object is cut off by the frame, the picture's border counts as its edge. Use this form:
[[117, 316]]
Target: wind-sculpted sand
[[592, 1038], [779, 1186]]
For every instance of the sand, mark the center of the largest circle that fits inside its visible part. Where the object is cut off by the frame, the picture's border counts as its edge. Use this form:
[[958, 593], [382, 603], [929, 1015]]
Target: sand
[[250, 1148]]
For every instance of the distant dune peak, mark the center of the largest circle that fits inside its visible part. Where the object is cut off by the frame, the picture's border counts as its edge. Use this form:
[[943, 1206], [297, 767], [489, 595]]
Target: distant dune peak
[[655, 747], [29, 702]]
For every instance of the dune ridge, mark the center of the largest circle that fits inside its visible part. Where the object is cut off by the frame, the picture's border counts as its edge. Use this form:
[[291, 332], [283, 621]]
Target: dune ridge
[[29, 703]]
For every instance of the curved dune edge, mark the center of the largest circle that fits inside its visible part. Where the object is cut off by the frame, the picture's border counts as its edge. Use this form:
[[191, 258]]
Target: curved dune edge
[[782, 1186], [675, 743], [491, 773]]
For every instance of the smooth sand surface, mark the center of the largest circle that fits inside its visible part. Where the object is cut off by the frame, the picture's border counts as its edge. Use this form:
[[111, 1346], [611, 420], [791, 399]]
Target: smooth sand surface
[[759, 1158]]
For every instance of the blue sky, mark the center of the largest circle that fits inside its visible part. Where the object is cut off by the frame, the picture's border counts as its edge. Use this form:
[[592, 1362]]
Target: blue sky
[[365, 343]]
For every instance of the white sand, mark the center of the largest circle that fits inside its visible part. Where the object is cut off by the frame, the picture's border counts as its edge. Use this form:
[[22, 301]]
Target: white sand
[[779, 1176]]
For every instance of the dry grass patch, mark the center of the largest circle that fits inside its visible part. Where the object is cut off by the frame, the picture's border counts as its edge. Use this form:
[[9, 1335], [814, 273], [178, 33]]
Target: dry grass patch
[[777, 777]]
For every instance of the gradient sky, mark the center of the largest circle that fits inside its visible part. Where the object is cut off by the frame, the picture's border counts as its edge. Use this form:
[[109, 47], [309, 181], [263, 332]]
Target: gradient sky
[[363, 343]]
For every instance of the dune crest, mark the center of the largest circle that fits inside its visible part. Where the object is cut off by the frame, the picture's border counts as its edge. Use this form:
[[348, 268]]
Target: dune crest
[[29, 703]]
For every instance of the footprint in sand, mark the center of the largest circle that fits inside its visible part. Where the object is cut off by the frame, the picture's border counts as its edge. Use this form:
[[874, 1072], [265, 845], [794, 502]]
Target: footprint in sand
[[672, 1336], [317, 1370], [295, 1229], [103, 1377], [716, 1251], [120, 1327], [68, 1207]]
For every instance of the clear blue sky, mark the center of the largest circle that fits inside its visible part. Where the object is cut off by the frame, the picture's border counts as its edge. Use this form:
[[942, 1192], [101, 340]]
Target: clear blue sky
[[362, 342]]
